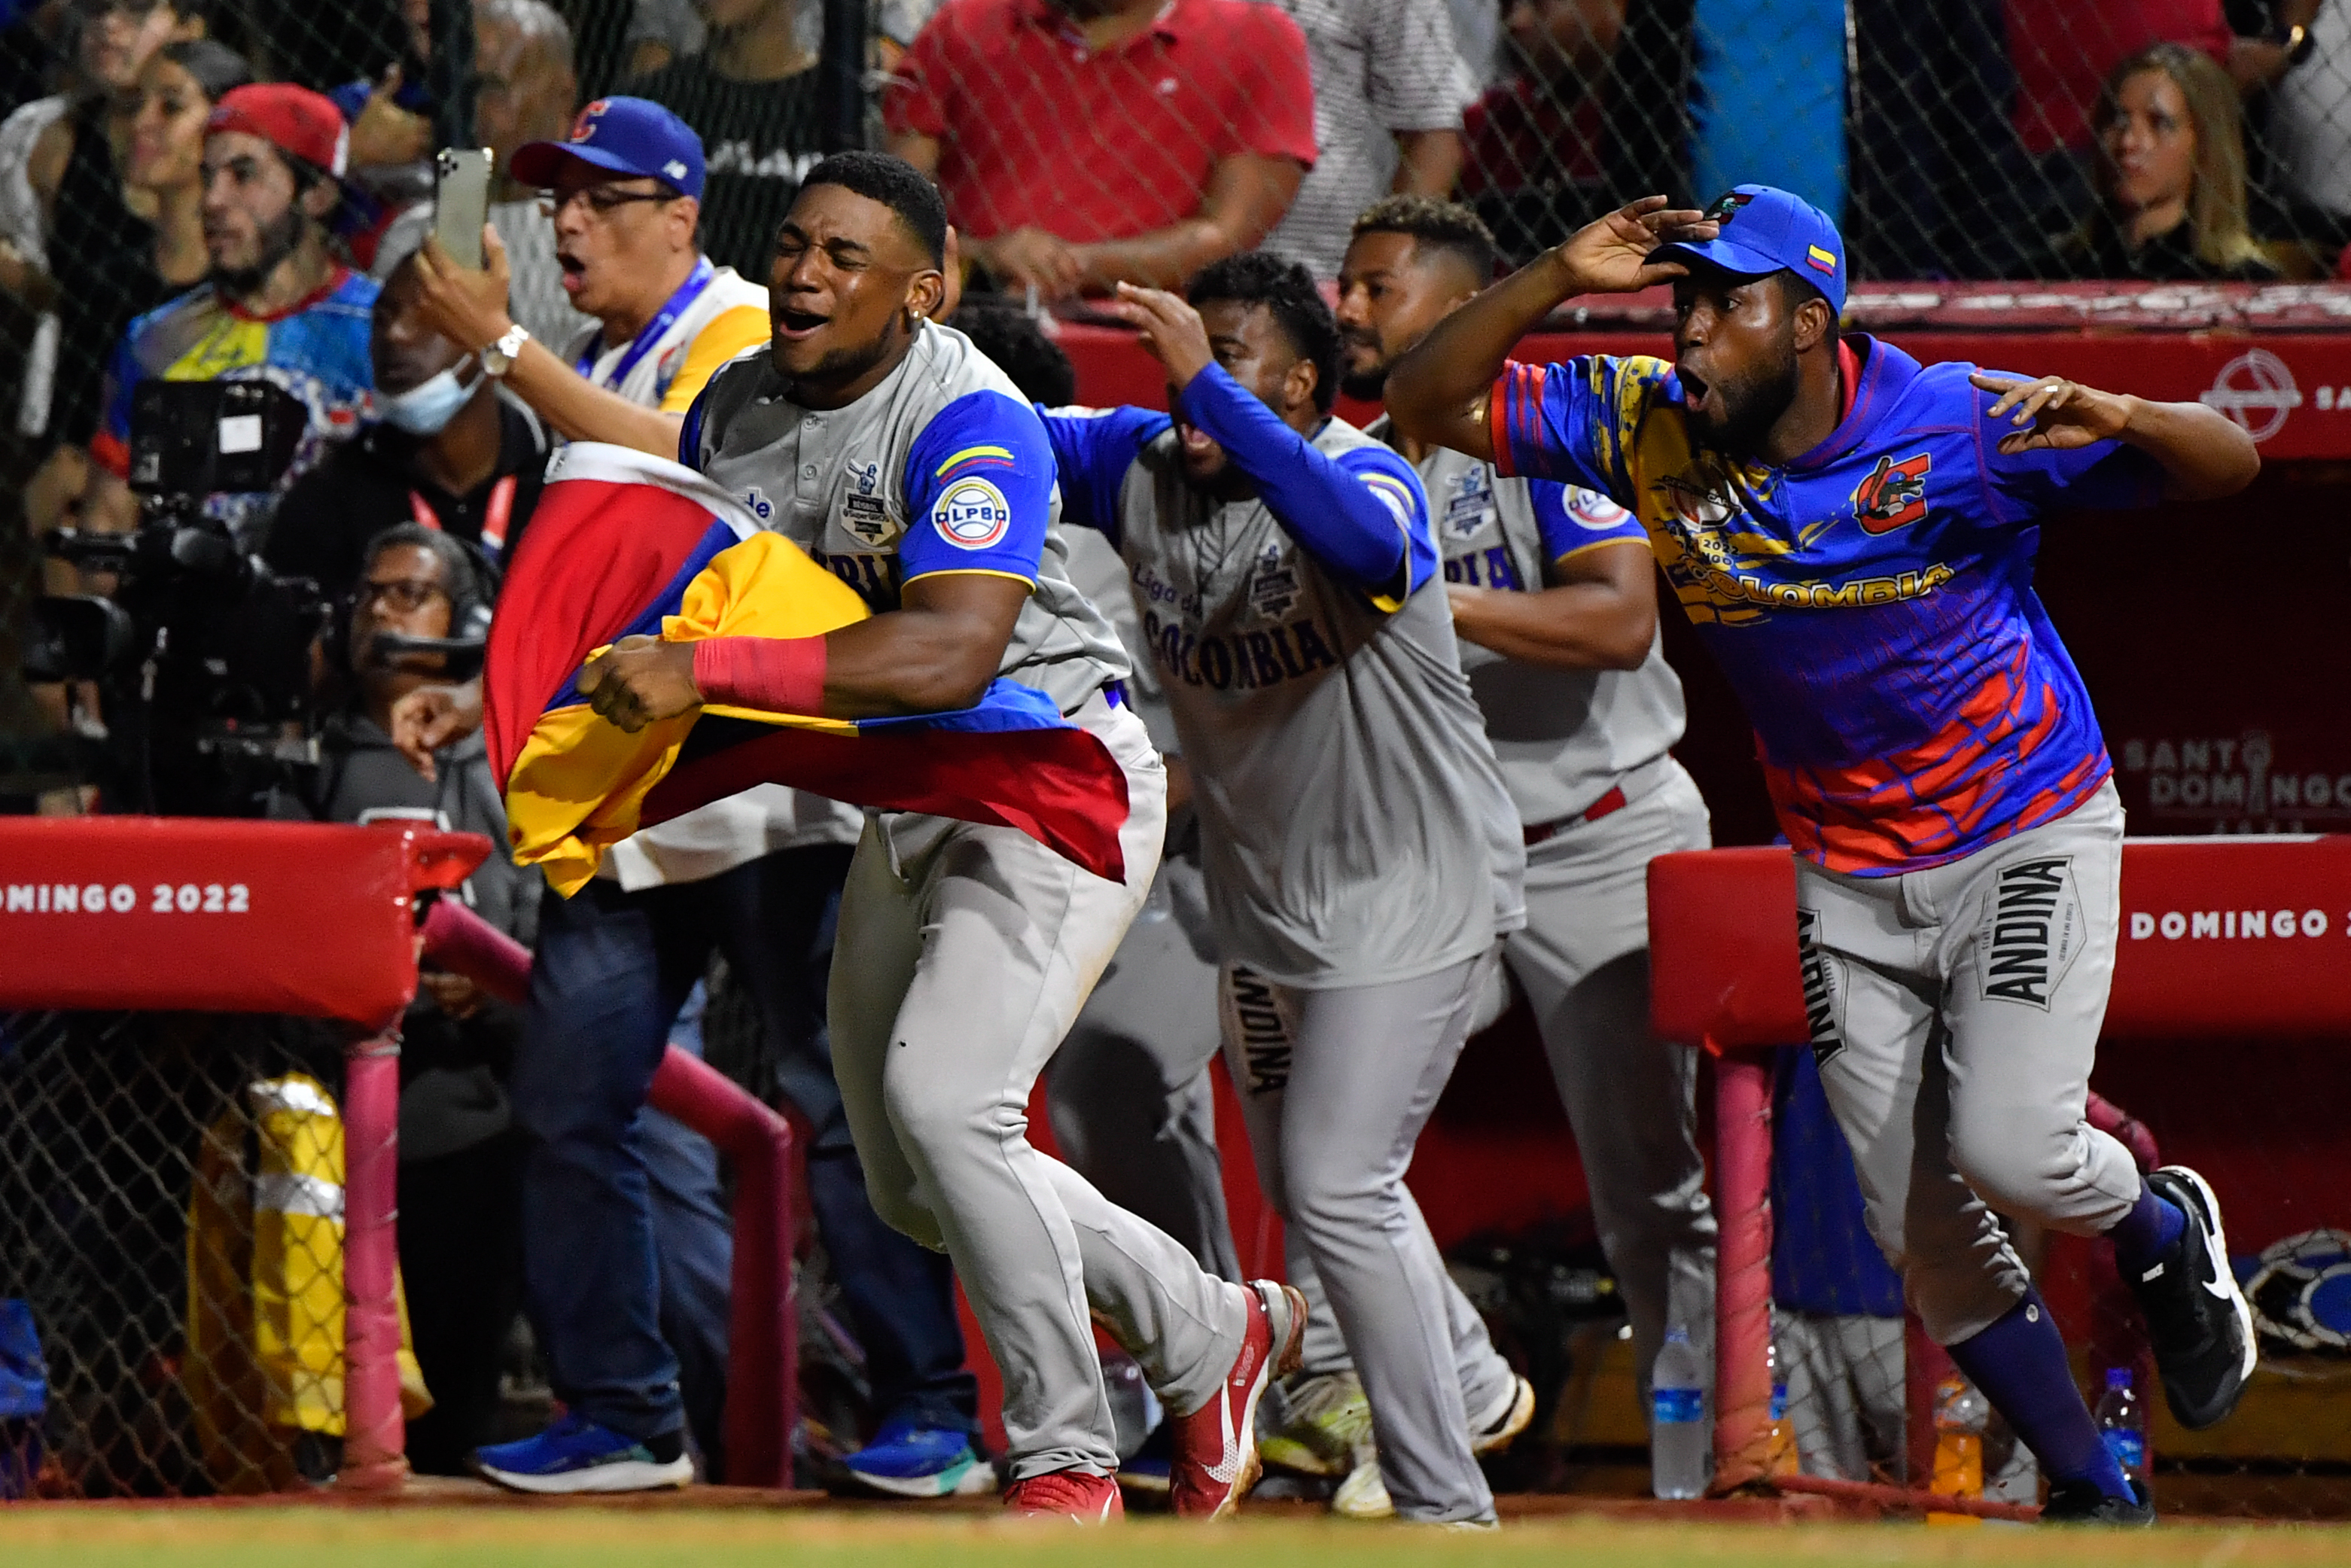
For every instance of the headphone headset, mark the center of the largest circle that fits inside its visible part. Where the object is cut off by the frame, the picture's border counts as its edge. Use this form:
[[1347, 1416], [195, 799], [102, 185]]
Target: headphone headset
[[472, 591]]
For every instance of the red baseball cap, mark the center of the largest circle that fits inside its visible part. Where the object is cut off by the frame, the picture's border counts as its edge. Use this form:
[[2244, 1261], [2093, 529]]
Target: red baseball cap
[[294, 120]]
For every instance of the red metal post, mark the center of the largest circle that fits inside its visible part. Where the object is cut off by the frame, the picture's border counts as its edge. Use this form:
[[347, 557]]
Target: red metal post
[[375, 1435], [1742, 1298]]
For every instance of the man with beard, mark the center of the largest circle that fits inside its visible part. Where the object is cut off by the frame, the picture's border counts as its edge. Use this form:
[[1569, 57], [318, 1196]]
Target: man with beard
[[278, 307], [1362, 855], [1554, 600], [888, 448], [1853, 534]]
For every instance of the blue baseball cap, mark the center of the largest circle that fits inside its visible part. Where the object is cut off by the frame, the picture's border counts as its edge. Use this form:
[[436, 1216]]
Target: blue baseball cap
[[1766, 230], [626, 135]]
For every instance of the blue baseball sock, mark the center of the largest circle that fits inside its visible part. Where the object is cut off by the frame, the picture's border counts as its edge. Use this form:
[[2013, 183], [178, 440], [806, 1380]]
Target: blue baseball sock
[[2145, 1233], [2019, 1365]]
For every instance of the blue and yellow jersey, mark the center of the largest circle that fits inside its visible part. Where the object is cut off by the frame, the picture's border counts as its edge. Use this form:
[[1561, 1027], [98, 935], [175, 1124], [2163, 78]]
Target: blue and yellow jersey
[[316, 350], [1871, 601]]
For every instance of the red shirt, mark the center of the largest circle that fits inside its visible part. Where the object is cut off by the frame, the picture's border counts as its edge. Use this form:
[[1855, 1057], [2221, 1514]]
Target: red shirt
[[1517, 136], [1036, 129], [2063, 52]]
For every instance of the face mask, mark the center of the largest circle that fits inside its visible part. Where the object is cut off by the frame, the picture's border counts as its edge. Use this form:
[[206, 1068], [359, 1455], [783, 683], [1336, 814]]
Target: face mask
[[426, 408]]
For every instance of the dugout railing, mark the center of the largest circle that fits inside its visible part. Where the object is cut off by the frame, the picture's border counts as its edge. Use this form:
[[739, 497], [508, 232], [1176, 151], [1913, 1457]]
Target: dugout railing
[[2221, 939], [158, 915]]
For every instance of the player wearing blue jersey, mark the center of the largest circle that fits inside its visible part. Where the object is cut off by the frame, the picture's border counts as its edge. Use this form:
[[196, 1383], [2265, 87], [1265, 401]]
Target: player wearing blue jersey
[[1853, 534]]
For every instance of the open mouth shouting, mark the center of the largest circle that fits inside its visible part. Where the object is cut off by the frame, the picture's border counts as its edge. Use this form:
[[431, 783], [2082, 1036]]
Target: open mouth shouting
[[794, 325]]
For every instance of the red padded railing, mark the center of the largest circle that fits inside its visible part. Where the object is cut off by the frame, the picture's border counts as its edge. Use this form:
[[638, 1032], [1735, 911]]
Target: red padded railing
[[2227, 937], [762, 1341], [167, 914]]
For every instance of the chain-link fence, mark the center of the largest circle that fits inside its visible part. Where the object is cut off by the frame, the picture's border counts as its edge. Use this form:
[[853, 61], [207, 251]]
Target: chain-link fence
[[171, 1217]]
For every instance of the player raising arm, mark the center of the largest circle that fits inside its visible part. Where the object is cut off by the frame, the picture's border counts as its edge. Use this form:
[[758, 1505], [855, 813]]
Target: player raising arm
[[1362, 854], [1853, 533]]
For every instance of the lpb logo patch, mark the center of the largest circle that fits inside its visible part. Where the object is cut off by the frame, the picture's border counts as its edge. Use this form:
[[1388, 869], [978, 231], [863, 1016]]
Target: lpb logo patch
[[972, 515], [1895, 493]]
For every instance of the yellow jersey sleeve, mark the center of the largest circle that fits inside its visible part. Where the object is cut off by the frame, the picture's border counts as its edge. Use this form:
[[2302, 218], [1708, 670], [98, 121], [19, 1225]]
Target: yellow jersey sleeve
[[728, 334]]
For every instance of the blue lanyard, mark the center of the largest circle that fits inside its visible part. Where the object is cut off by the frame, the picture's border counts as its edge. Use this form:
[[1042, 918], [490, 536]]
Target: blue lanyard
[[688, 293]]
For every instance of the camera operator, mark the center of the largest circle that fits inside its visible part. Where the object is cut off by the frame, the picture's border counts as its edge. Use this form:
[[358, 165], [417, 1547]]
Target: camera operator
[[460, 1154], [448, 453], [277, 307]]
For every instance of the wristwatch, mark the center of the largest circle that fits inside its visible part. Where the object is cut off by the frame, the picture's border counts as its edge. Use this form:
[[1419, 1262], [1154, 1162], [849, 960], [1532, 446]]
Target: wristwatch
[[2296, 41], [500, 357]]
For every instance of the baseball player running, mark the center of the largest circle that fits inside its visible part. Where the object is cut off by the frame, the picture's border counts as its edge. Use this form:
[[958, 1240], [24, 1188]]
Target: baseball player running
[[1853, 534], [1554, 600], [895, 455], [1361, 851]]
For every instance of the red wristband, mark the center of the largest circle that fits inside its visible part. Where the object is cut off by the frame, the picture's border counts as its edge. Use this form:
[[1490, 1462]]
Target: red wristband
[[766, 674]]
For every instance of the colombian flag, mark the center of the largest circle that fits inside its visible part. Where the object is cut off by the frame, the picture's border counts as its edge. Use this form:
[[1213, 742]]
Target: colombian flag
[[625, 544]]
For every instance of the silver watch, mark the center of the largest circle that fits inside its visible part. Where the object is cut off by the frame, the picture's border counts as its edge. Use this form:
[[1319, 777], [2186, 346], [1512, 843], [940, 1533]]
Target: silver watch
[[500, 357]]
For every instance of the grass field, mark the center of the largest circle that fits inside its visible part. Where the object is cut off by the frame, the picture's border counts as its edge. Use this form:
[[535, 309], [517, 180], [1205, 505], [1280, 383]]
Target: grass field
[[102, 1537]]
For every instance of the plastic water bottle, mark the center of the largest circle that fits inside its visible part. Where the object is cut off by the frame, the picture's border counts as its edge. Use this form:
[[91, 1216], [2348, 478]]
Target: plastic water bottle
[[2122, 1424], [1681, 1446], [1962, 1414], [1780, 1453]]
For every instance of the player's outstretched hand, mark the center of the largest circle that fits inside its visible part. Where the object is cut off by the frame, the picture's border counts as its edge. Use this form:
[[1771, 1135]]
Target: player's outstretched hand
[[1611, 255], [640, 680], [2052, 412], [1171, 329]]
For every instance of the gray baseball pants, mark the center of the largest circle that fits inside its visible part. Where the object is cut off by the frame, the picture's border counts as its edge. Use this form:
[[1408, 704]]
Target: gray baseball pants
[[1582, 961], [1132, 1104], [1955, 1013], [1335, 1086], [965, 952]]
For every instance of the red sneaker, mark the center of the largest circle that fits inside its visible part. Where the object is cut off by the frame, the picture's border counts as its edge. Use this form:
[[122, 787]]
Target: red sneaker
[[1071, 1495], [1215, 1446]]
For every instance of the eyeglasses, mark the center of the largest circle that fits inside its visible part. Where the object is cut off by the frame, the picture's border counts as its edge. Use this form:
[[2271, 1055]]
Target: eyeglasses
[[602, 201], [405, 594]]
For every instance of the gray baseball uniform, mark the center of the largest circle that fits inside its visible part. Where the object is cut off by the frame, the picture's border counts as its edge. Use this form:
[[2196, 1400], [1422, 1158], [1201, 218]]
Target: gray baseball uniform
[[966, 951], [1130, 1096], [1361, 858], [1586, 754]]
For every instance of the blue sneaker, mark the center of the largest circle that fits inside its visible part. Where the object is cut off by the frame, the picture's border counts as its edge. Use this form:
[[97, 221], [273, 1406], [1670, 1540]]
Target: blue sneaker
[[909, 1460], [576, 1455]]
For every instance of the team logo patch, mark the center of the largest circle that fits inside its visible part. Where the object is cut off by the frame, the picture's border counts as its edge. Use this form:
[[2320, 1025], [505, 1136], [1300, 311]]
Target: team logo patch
[[1273, 585], [1895, 493], [584, 128], [972, 515], [2032, 932], [1471, 505], [1595, 510], [1823, 990], [1820, 260], [869, 519]]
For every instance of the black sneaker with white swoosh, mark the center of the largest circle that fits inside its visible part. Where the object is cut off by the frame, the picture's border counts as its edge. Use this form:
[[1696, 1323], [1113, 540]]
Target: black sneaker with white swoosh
[[2197, 1319]]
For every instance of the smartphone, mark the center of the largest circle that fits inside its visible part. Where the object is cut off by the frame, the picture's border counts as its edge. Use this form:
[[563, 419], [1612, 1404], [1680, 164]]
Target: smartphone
[[460, 201]]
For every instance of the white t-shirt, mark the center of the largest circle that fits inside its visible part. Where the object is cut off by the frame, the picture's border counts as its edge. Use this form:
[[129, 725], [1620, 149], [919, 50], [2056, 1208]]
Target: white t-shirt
[[2310, 114]]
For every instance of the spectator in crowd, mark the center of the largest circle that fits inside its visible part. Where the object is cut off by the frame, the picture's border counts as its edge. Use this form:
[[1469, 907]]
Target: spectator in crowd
[[1081, 143], [752, 96], [628, 185], [526, 89], [660, 31], [1533, 165], [177, 90], [95, 238], [449, 454], [2064, 57], [2170, 179], [1388, 91], [278, 306], [460, 1155]]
